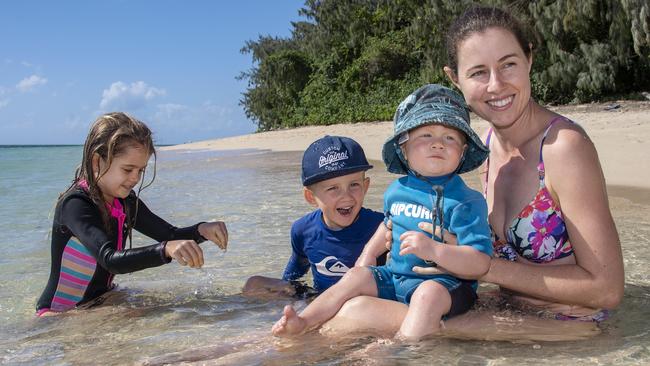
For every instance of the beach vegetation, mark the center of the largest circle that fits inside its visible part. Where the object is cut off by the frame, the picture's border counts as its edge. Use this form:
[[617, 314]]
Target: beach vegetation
[[354, 60]]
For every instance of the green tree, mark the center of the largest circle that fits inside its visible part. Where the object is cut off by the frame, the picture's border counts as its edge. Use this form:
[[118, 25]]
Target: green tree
[[590, 48], [354, 60]]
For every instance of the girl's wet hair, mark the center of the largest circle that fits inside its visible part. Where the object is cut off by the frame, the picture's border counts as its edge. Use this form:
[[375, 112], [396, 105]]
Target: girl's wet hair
[[478, 19], [109, 136]]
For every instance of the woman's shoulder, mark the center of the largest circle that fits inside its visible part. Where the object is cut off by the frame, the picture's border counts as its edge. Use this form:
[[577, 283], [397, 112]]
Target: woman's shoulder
[[564, 139], [569, 156]]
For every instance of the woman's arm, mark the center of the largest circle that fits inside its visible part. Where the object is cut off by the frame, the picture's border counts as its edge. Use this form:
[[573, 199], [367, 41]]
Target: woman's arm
[[575, 179]]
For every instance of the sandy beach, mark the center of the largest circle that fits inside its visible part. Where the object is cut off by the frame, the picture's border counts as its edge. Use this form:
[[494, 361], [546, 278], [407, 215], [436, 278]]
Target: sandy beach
[[620, 130]]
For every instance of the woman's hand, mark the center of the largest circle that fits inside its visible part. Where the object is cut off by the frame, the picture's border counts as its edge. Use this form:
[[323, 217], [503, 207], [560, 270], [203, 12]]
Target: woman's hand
[[388, 236], [216, 232], [186, 252]]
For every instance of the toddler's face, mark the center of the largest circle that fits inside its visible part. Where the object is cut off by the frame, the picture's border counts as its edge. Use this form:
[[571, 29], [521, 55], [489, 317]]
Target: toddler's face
[[340, 198], [434, 150]]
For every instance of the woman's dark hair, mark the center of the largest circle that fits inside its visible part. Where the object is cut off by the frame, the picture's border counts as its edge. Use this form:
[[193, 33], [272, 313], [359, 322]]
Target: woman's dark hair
[[109, 136], [478, 19]]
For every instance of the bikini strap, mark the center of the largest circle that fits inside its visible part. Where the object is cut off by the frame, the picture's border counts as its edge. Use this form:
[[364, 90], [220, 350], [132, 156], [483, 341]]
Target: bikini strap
[[487, 162], [540, 165]]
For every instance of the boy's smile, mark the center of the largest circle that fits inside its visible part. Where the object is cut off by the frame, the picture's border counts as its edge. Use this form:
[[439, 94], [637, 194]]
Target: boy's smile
[[340, 198]]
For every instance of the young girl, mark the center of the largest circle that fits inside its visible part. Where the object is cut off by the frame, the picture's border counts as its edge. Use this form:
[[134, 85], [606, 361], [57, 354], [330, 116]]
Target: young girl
[[96, 214]]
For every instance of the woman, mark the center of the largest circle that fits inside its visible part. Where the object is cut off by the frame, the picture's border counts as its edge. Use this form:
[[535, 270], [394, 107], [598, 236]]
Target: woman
[[543, 182]]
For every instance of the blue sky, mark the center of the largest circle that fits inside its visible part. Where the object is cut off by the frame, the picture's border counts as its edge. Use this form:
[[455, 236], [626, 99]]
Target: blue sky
[[171, 64]]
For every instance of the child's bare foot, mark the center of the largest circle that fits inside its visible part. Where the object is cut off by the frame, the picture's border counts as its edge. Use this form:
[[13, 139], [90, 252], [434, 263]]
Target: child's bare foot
[[290, 324]]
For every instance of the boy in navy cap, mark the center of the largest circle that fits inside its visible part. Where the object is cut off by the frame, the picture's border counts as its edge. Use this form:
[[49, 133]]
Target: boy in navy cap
[[431, 145], [329, 239]]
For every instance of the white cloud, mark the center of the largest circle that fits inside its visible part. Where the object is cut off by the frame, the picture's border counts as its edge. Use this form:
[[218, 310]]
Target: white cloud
[[124, 96], [216, 110], [175, 123], [75, 122], [30, 83], [171, 110], [3, 101]]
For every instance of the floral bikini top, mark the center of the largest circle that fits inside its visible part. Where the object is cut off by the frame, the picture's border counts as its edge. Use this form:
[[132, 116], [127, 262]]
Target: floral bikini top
[[538, 233]]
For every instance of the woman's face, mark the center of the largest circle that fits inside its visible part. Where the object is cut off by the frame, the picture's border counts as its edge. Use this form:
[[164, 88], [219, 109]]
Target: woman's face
[[494, 76]]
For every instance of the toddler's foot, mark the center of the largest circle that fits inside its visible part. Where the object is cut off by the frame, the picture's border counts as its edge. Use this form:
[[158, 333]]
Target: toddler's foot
[[290, 324]]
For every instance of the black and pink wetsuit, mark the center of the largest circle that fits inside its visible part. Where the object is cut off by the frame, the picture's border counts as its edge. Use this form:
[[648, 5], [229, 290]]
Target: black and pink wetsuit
[[85, 257]]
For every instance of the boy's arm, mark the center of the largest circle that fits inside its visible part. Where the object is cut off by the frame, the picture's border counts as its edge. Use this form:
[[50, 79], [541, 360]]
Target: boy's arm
[[296, 267], [298, 263], [375, 247]]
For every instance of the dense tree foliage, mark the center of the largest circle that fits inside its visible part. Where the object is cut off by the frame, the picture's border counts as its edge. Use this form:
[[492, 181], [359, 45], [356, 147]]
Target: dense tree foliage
[[354, 60]]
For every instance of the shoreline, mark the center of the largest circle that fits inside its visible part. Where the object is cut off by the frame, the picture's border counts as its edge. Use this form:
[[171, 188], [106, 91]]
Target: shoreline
[[620, 131]]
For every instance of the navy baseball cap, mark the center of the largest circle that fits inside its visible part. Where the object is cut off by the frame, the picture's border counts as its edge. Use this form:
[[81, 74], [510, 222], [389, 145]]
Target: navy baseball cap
[[330, 157]]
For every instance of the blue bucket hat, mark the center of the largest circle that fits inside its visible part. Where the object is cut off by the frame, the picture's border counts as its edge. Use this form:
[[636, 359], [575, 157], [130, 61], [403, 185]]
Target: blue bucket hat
[[433, 104], [330, 157]]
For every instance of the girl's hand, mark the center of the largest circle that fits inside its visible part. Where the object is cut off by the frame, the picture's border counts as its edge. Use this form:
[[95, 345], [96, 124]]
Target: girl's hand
[[186, 252], [216, 232]]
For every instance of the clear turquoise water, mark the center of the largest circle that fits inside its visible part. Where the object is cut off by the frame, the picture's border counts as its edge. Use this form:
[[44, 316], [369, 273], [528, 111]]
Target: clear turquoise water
[[201, 314]]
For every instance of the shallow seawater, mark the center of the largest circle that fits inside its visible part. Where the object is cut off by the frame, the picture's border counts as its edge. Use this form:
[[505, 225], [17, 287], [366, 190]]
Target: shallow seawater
[[173, 314]]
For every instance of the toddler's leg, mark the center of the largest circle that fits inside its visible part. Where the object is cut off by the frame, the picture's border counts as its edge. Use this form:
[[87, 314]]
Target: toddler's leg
[[429, 303], [358, 281]]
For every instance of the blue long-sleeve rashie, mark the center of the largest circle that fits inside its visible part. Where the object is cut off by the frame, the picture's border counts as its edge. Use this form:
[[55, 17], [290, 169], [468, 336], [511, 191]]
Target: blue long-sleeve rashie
[[329, 253], [410, 200]]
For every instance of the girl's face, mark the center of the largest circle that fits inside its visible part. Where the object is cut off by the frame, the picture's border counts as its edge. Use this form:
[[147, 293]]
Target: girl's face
[[494, 76], [434, 150], [124, 173]]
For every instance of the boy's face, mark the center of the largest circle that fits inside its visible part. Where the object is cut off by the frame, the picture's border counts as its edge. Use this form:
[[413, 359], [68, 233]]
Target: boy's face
[[434, 150], [339, 198]]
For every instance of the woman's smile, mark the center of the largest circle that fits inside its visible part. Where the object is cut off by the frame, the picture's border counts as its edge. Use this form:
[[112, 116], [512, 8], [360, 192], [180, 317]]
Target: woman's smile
[[502, 103]]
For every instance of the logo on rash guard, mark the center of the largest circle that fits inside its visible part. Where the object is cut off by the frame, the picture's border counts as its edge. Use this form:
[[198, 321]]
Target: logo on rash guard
[[337, 269], [410, 210]]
